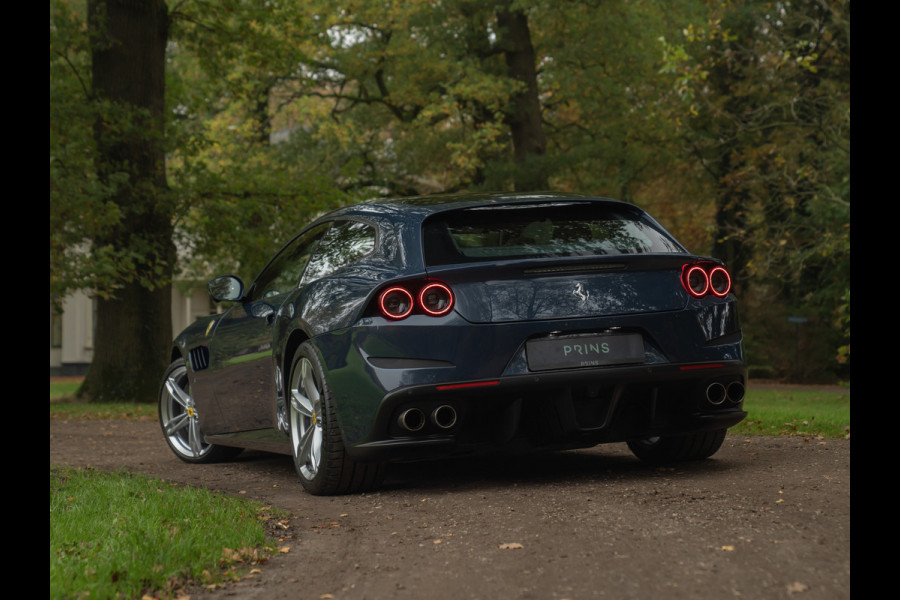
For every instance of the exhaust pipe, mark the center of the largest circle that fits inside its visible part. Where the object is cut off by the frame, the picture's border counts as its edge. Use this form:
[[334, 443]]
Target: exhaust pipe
[[716, 393], [735, 391], [412, 419], [444, 416]]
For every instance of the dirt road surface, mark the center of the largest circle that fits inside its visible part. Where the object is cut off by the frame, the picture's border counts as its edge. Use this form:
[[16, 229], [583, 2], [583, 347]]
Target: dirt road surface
[[764, 518]]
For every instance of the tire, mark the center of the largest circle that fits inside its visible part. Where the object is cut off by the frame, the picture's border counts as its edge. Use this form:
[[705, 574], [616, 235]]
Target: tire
[[677, 448], [179, 422], [316, 441]]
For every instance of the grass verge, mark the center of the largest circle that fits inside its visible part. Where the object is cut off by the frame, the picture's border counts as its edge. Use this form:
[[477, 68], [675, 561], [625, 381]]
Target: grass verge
[[65, 406], [74, 410], [796, 413], [123, 535]]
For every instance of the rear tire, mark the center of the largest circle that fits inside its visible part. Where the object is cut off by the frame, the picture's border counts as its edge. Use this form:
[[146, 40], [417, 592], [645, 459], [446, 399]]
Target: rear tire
[[317, 444], [677, 448]]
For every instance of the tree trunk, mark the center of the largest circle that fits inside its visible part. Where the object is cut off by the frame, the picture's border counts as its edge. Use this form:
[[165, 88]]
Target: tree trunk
[[134, 328], [524, 114]]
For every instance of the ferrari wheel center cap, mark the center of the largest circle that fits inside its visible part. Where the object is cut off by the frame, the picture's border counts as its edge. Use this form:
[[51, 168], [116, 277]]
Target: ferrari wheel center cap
[[191, 412]]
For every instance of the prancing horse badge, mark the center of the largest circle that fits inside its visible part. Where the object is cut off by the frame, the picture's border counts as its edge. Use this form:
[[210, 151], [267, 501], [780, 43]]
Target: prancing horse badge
[[579, 291]]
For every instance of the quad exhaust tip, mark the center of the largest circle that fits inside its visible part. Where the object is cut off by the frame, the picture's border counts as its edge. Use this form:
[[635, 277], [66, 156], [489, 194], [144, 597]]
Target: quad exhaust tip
[[412, 419], [717, 393], [735, 391], [444, 416]]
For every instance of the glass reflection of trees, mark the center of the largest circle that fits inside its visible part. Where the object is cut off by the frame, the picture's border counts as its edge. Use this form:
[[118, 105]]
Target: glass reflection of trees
[[539, 232], [345, 243]]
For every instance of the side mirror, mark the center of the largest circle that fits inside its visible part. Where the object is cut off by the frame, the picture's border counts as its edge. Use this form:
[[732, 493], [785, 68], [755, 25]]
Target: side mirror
[[226, 288]]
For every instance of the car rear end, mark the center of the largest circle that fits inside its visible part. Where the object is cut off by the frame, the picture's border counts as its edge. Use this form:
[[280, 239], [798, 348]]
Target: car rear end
[[545, 324]]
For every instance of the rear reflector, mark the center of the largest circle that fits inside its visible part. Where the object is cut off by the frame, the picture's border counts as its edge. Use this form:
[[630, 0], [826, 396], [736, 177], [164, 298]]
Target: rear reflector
[[456, 386]]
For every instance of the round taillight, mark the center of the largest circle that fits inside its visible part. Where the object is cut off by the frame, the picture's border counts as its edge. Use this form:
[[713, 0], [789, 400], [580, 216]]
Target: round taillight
[[395, 303], [436, 299], [719, 281], [696, 281]]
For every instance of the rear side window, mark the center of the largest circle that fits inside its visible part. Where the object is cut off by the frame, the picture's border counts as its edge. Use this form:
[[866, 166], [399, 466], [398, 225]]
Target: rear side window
[[345, 243], [538, 231]]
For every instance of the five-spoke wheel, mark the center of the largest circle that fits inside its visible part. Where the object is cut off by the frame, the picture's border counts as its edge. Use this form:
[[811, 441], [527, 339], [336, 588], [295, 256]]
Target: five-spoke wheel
[[307, 437]]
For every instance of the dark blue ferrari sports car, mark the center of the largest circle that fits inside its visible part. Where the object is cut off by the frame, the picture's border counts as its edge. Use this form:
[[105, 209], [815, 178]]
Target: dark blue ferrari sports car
[[428, 327]]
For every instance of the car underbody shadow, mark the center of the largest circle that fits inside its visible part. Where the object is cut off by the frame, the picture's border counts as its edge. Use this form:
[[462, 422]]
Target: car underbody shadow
[[609, 462]]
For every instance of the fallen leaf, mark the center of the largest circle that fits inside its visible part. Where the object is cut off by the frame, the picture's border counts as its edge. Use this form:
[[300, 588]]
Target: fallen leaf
[[436, 541], [796, 587], [284, 549], [511, 546], [728, 548]]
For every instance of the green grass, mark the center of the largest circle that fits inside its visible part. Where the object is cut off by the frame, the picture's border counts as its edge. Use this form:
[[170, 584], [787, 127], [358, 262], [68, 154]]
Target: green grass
[[796, 413], [123, 535], [64, 388], [65, 406], [89, 411]]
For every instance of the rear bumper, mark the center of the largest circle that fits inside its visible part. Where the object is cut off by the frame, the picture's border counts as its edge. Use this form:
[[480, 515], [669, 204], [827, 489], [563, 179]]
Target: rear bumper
[[555, 410]]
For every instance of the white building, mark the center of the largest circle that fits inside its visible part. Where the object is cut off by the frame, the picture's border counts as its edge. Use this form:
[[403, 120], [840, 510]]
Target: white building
[[72, 330]]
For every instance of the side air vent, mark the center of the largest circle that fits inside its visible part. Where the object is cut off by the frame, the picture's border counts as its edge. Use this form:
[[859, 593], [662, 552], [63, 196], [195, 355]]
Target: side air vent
[[199, 357]]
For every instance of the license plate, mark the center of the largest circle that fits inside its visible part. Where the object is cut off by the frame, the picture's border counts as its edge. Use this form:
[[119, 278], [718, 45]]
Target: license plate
[[584, 351]]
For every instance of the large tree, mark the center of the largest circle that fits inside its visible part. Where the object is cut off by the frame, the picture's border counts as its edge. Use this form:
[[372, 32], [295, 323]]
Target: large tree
[[127, 94]]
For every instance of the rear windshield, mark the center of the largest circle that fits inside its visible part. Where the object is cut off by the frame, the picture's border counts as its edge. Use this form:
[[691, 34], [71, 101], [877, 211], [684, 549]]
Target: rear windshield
[[537, 231]]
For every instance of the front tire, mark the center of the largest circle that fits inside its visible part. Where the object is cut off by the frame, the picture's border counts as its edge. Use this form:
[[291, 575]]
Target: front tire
[[316, 441], [179, 420], [677, 448]]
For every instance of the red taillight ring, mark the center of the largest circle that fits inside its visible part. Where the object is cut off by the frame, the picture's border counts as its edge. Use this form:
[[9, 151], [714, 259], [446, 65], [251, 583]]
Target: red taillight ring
[[696, 270], [718, 273], [441, 289], [386, 296], [702, 278]]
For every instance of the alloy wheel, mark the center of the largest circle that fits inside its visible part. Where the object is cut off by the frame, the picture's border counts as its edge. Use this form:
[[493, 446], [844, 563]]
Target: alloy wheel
[[178, 416], [306, 419]]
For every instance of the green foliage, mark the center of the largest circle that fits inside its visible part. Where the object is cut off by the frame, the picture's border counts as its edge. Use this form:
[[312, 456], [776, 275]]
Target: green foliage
[[90, 207], [120, 535], [763, 101], [77, 212], [728, 121]]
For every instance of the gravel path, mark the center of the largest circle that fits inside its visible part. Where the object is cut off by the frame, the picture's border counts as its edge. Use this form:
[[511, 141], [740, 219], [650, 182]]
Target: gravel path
[[764, 518]]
